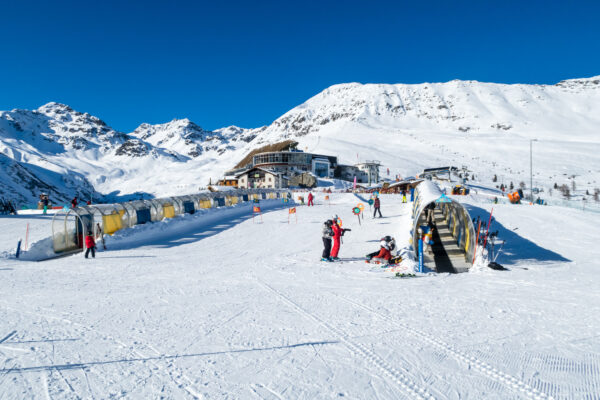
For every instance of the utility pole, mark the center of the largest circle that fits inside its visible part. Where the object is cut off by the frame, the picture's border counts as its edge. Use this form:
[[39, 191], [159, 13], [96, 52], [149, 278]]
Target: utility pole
[[531, 168]]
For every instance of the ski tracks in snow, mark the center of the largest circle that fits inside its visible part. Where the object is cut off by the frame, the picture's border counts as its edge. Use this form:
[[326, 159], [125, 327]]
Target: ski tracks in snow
[[178, 378], [404, 382], [471, 361]]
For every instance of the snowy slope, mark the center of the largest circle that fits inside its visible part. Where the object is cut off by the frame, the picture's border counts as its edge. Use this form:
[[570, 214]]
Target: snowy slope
[[236, 308], [484, 126]]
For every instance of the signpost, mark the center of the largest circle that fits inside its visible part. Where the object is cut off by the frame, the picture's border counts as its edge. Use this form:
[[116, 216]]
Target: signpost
[[356, 211], [256, 210], [291, 211]]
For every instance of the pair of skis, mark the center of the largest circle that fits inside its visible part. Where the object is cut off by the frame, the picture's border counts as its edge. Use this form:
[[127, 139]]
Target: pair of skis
[[492, 236], [478, 234]]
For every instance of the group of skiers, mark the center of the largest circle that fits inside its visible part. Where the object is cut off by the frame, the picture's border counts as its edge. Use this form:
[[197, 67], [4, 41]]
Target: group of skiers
[[332, 230]]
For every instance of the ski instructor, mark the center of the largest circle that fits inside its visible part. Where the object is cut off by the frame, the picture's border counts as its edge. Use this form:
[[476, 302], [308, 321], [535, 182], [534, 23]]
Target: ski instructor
[[327, 235]]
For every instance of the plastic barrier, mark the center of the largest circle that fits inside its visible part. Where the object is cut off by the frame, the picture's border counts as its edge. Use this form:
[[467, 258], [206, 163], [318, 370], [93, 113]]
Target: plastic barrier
[[168, 211], [111, 223], [188, 207], [143, 216]]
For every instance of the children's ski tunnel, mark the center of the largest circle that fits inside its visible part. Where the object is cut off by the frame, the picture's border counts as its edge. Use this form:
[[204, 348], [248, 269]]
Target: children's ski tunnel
[[452, 239], [70, 228]]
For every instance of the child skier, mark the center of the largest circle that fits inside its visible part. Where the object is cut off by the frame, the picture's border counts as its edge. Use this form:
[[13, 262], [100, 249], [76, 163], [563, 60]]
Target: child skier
[[327, 235], [310, 199], [90, 243], [387, 245]]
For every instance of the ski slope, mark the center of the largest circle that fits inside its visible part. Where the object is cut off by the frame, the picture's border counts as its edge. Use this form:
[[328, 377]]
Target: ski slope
[[242, 308]]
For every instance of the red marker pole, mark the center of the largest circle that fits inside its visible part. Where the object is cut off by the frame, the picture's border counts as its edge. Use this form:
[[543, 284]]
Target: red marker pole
[[476, 242], [488, 228]]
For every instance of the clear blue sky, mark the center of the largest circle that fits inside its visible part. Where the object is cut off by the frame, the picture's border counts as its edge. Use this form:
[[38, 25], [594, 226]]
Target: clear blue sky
[[246, 63]]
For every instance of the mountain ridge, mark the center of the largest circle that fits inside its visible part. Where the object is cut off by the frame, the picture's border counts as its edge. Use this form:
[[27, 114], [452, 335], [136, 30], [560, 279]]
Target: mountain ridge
[[163, 159]]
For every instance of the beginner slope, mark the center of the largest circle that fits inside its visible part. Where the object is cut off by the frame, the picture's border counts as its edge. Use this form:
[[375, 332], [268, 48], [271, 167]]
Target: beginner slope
[[243, 309]]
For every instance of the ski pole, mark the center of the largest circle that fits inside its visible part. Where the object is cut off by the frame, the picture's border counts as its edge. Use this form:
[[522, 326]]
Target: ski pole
[[26, 237]]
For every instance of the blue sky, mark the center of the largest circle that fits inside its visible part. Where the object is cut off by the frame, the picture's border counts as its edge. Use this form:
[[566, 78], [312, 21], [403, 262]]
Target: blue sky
[[246, 63]]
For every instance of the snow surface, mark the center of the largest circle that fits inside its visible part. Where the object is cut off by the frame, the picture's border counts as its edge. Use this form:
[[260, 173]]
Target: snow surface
[[242, 308]]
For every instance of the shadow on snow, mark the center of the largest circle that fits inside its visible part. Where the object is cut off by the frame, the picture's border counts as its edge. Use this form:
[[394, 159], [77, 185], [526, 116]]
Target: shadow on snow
[[516, 248], [157, 358]]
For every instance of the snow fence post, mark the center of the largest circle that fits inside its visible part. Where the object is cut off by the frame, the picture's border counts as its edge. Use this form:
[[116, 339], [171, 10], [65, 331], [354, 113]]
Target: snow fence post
[[421, 255]]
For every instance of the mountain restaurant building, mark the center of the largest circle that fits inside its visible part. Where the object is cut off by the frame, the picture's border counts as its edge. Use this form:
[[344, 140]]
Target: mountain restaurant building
[[257, 177]]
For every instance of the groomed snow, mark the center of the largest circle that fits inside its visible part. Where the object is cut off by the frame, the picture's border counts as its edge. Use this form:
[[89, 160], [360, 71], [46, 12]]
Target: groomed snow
[[238, 308]]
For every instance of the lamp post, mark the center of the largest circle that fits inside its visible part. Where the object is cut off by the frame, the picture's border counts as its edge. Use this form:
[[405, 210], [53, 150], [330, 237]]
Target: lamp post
[[531, 168]]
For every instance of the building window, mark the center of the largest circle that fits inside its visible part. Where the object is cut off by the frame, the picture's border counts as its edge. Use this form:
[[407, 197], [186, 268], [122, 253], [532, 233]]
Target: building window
[[322, 169]]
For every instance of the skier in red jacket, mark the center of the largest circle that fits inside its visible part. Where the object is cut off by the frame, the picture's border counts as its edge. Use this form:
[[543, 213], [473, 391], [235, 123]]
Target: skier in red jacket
[[387, 245], [337, 236], [90, 243], [310, 199], [338, 232]]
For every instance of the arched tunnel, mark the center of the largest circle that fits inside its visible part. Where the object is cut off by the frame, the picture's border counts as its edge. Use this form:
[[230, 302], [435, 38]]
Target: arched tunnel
[[453, 232]]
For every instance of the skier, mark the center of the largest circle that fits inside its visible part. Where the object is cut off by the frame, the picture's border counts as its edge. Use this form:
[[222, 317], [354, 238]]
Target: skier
[[310, 199], [426, 233], [90, 244], [327, 235], [74, 202], [376, 207], [338, 232], [387, 245], [403, 195], [429, 213]]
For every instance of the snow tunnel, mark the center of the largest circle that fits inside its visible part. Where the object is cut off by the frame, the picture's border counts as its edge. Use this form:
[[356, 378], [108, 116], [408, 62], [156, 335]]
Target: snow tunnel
[[453, 235], [70, 227]]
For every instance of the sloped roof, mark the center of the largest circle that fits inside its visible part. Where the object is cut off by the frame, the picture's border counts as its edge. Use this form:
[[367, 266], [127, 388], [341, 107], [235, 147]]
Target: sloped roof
[[281, 146]]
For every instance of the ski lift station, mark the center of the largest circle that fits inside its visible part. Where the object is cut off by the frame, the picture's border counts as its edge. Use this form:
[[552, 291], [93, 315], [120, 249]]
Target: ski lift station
[[70, 228], [454, 235]]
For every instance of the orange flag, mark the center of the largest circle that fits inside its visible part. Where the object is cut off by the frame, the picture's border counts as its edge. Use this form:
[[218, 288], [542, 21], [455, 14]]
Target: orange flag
[[292, 210], [256, 209]]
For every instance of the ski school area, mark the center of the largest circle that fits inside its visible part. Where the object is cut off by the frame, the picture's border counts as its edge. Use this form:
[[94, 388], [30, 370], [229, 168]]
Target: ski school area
[[235, 302]]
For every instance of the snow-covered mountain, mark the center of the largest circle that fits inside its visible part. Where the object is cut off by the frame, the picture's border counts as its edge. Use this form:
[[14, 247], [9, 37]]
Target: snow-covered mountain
[[485, 126]]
